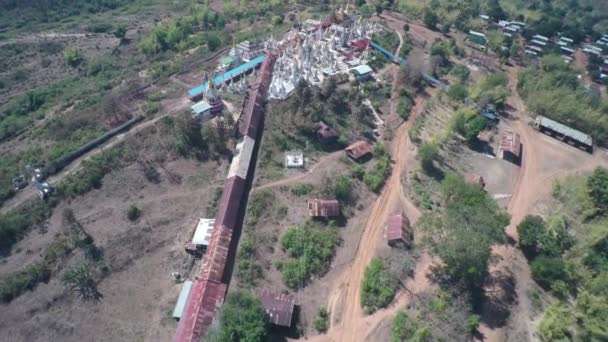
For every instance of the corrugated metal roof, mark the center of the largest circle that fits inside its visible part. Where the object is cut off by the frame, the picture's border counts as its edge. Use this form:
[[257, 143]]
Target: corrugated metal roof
[[203, 301], [230, 202], [358, 149], [510, 142], [203, 232], [242, 158], [539, 37], [214, 261], [318, 207], [363, 69], [181, 300], [565, 130], [398, 228], [279, 307], [201, 107]]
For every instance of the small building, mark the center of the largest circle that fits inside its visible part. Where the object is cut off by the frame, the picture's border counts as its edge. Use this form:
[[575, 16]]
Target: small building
[[566, 40], [325, 133], [363, 72], [510, 147], [477, 38], [536, 49], [278, 307], [564, 133], [359, 151], [484, 17], [473, 179], [201, 111], [181, 300], [202, 234], [398, 231], [539, 37], [249, 50], [490, 115], [318, 207], [539, 43], [294, 159], [566, 51]]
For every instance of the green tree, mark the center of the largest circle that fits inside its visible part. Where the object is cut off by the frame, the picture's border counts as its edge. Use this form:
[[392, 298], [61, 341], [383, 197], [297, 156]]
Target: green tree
[[343, 188], [430, 19], [597, 184], [457, 92], [427, 153], [277, 20], [377, 287], [462, 234], [532, 233], [78, 278], [403, 329], [241, 318], [213, 42], [546, 270], [133, 213]]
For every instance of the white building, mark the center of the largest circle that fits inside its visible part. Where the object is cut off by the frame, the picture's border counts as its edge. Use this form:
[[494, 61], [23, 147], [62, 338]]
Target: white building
[[203, 231], [294, 159]]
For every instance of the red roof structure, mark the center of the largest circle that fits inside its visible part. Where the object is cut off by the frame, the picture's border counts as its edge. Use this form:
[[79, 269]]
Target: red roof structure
[[398, 231], [318, 207], [214, 261], [230, 203], [510, 142], [360, 45], [359, 150], [204, 299], [279, 307]]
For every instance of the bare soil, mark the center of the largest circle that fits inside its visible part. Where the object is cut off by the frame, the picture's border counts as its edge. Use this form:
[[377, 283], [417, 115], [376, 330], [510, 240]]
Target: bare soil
[[138, 291]]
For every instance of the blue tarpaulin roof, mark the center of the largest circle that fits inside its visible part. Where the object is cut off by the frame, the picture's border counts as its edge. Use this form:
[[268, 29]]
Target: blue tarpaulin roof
[[230, 74]]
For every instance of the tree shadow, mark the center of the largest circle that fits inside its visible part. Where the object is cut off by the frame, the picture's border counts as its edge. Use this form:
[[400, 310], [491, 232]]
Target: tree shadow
[[495, 302], [482, 146]]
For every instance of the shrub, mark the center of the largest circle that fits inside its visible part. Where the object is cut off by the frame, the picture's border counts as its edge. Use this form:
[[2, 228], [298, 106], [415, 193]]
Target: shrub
[[377, 287], [309, 249], [457, 92], [78, 278], [403, 329], [531, 233], [72, 56], [343, 188], [375, 178], [597, 184], [133, 213], [302, 189], [471, 323], [14, 284], [321, 323], [241, 318], [120, 31]]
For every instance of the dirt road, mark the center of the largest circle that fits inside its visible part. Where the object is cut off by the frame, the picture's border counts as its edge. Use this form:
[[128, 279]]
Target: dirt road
[[544, 159]]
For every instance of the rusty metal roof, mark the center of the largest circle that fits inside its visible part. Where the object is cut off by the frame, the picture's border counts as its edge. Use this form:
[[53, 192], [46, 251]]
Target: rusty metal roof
[[230, 203], [358, 149], [279, 307], [204, 299], [318, 207], [214, 261], [398, 228], [510, 142]]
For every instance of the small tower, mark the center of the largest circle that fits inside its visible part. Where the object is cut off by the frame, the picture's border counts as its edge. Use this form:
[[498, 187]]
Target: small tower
[[212, 97]]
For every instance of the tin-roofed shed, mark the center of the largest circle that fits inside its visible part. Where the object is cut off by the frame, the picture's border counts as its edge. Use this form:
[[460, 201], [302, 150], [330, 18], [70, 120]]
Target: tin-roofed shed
[[360, 150], [510, 147], [279, 307], [564, 133], [181, 300], [318, 207], [398, 231]]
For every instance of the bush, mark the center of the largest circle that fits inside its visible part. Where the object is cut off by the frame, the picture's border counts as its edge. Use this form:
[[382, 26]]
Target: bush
[[375, 178], [343, 188], [100, 27], [472, 323], [457, 92], [133, 213], [377, 287], [213, 42], [302, 189], [321, 323], [14, 284], [241, 318], [277, 20], [16, 223], [546, 270], [403, 329], [72, 56], [597, 184], [310, 249]]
